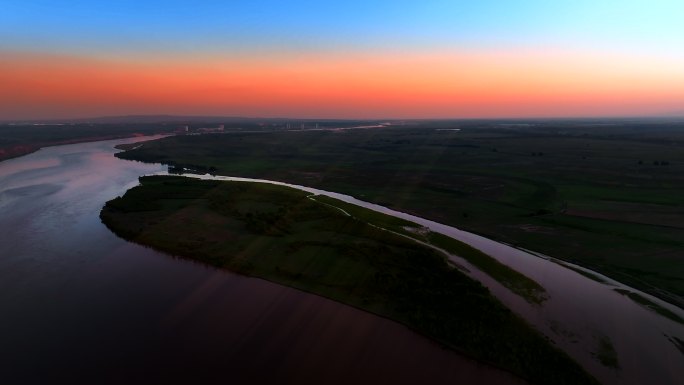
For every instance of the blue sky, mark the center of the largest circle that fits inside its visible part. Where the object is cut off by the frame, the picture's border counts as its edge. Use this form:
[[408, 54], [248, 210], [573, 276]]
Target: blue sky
[[429, 58], [96, 27]]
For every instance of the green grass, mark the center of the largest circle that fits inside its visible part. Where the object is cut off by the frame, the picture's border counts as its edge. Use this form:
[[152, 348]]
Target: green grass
[[594, 197], [518, 283], [281, 235], [385, 221]]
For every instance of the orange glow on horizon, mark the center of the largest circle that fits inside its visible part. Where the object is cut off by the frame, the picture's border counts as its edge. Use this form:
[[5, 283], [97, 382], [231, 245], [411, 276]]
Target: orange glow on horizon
[[427, 85]]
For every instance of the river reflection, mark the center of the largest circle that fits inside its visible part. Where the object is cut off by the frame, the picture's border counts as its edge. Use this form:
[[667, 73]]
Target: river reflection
[[79, 305], [579, 312]]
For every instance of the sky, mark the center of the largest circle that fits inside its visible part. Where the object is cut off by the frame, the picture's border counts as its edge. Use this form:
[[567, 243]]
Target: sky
[[342, 59]]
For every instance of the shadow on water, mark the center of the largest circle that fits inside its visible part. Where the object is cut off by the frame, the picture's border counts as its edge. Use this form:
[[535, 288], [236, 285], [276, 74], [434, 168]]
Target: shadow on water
[[80, 305]]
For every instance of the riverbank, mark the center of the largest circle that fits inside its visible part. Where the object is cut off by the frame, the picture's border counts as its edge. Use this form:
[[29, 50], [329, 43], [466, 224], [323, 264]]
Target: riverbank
[[21, 139], [279, 234], [608, 201], [19, 150], [124, 313], [518, 283]]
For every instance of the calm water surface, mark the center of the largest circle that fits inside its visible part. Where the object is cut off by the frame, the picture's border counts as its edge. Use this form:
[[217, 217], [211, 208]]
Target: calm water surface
[[79, 305], [579, 312]]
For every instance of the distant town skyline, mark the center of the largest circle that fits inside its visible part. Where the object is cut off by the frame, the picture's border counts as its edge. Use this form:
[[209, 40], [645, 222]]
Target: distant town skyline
[[305, 59]]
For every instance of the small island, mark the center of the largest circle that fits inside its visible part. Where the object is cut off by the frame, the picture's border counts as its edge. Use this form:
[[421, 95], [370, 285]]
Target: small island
[[288, 237]]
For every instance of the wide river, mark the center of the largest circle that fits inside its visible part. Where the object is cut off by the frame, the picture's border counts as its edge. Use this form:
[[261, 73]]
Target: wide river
[[80, 306]]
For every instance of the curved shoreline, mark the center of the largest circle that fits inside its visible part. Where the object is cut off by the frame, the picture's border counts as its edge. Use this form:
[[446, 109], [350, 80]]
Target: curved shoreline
[[538, 268], [447, 230], [385, 275], [112, 291], [553, 233], [612, 315], [33, 148]]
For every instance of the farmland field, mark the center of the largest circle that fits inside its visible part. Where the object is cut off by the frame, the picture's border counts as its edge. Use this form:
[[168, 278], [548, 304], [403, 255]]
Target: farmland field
[[604, 196]]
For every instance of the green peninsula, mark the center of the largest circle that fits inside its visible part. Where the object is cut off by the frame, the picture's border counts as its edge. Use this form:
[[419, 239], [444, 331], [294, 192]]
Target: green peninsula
[[606, 197], [282, 235]]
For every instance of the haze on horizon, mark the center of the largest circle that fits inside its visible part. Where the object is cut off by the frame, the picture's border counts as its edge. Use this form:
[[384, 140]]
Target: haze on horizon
[[352, 59]]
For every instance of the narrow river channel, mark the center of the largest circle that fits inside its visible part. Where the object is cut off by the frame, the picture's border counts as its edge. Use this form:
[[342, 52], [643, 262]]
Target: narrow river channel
[[79, 305], [579, 315]]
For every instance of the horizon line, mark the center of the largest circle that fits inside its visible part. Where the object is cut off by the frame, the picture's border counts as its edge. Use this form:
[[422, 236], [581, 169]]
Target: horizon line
[[181, 117]]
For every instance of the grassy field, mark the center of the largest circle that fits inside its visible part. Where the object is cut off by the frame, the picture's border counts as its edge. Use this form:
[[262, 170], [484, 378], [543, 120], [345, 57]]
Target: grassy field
[[604, 195], [518, 283], [277, 233]]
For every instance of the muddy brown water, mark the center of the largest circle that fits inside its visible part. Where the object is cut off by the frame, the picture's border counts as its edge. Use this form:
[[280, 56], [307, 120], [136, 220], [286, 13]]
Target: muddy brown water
[[79, 305]]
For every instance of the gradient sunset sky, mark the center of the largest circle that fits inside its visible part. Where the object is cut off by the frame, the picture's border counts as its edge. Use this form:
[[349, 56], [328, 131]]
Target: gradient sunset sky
[[342, 59]]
